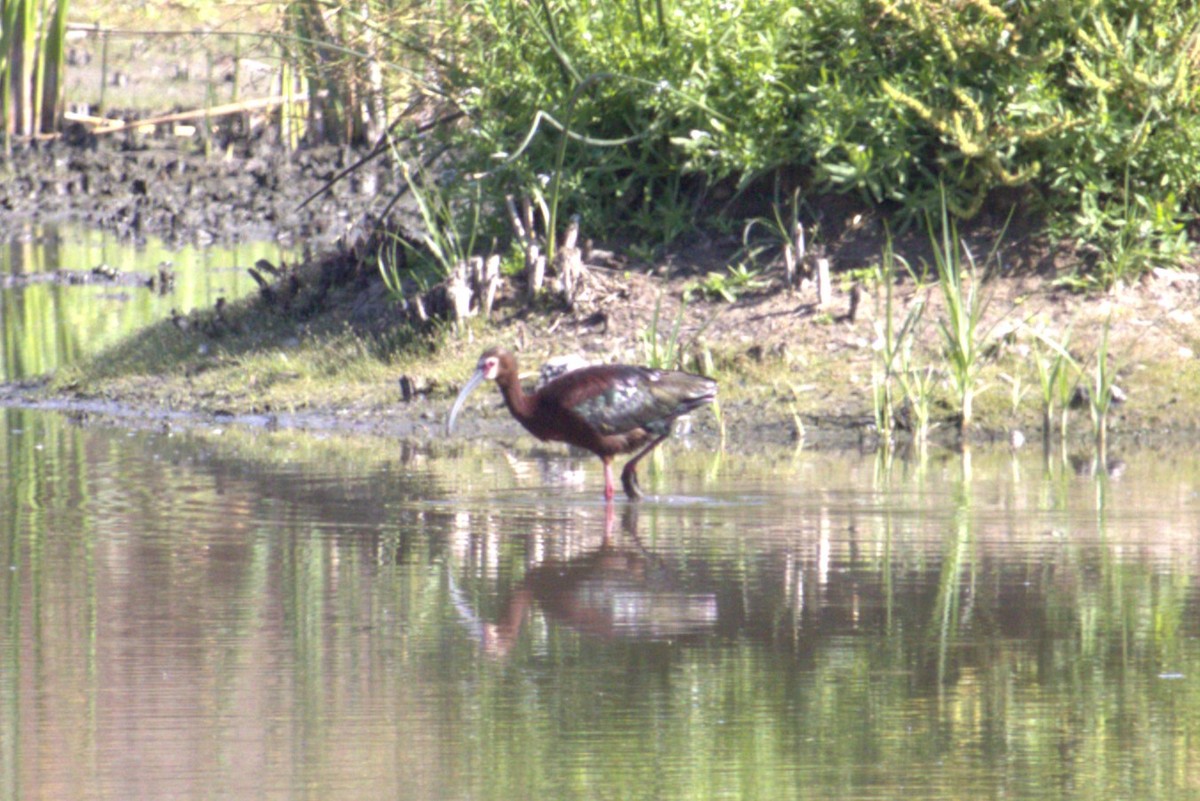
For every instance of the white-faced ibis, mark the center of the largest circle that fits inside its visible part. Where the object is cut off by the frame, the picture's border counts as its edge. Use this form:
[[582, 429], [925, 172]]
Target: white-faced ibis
[[606, 409]]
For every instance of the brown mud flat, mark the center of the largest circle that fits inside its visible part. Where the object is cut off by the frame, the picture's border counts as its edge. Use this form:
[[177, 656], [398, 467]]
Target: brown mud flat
[[245, 189], [793, 370]]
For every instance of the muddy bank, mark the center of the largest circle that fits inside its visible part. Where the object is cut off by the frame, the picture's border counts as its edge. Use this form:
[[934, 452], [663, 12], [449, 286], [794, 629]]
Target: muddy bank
[[750, 429], [246, 189], [790, 369]]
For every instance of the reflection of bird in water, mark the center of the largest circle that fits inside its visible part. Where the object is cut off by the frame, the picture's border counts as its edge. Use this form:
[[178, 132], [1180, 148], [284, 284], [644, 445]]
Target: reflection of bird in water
[[614, 591], [558, 472], [607, 409], [1092, 465]]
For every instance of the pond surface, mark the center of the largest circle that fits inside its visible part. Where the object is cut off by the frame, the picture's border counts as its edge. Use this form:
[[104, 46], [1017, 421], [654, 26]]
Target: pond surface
[[249, 614], [47, 324]]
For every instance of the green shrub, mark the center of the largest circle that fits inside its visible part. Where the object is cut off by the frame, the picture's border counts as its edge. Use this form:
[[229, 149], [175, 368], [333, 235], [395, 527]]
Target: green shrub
[[633, 112]]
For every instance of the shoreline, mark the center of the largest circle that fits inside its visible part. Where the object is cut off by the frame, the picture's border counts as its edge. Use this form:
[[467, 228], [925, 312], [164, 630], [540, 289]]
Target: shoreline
[[334, 357]]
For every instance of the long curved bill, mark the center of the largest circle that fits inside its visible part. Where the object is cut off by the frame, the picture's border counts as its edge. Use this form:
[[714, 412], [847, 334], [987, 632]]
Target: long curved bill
[[475, 381]]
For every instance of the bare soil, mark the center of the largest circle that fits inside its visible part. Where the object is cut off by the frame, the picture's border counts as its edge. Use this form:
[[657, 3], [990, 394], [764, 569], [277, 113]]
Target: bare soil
[[246, 187]]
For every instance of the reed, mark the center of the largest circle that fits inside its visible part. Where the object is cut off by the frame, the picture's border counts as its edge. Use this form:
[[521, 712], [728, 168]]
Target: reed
[[1101, 393], [32, 63], [893, 384], [447, 235], [358, 62], [52, 58], [964, 307], [662, 349], [1056, 371]]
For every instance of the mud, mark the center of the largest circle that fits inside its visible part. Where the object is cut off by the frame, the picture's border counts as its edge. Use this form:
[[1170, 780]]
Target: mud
[[244, 189], [422, 422]]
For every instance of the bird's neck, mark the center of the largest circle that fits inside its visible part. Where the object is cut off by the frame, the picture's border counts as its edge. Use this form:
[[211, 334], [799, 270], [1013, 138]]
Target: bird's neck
[[519, 404]]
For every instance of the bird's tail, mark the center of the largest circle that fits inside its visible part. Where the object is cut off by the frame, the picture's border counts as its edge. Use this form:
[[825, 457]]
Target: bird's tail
[[690, 391]]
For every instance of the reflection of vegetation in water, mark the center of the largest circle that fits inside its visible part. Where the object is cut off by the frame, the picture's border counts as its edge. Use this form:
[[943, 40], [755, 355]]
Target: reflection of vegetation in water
[[297, 585], [50, 324], [958, 564]]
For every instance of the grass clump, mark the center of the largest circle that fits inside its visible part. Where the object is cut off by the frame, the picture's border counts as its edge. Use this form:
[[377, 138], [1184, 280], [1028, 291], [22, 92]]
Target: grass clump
[[964, 304], [894, 386], [1057, 374], [1102, 392]]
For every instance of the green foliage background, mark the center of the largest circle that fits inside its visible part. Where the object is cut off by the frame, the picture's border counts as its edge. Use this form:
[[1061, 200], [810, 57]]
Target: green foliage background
[[1087, 106]]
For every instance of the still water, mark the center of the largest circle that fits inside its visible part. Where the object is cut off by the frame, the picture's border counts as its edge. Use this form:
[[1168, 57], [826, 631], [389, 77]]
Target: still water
[[45, 325], [248, 614]]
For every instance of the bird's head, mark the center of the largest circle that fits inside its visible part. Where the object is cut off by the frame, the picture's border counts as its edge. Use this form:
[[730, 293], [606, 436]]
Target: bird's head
[[492, 365]]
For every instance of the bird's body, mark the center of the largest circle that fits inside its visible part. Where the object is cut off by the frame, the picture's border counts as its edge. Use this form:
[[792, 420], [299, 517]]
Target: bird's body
[[606, 409]]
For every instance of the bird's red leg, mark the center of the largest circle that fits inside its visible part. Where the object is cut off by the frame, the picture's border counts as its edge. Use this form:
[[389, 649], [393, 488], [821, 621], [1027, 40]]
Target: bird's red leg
[[609, 518], [608, 479], [629, 478]]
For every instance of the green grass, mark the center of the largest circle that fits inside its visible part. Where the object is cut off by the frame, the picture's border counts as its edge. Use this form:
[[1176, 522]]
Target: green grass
[[1100, 395], [961, 325], [331, 367], [1057, 373], [258, 357]]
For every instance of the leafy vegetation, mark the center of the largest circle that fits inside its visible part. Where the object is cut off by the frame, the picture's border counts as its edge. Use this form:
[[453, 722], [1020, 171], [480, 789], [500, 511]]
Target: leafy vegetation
[[641, 113], [649, 119], [727, 286]]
